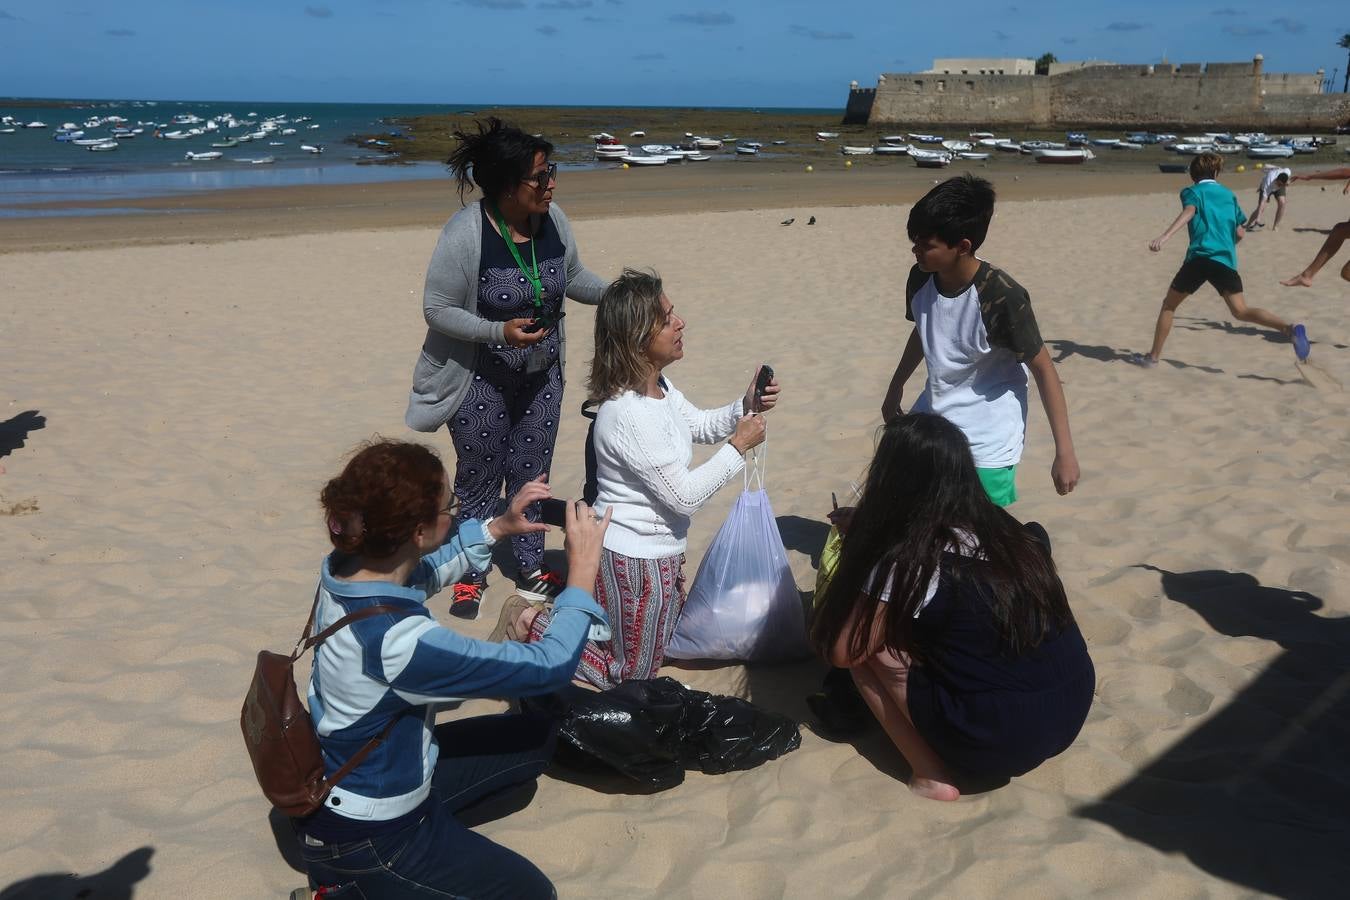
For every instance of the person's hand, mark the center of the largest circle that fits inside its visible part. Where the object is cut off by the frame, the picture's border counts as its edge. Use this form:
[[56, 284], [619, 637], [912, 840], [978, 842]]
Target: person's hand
[[891, 408], [1064, 472], [842, 517], [750, 431], [1155, 245], [767, 400], [584, 543], [513, 521], [517, 336]]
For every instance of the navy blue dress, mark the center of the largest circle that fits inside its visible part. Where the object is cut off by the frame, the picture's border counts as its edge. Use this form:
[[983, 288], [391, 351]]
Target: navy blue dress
[[983, 710]]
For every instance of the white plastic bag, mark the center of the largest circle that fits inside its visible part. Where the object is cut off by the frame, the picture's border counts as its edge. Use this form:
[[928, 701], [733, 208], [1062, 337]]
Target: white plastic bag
[[744, 602]]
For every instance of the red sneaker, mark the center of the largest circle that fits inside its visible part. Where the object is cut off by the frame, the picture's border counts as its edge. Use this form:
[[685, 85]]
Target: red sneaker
[[465, 599]]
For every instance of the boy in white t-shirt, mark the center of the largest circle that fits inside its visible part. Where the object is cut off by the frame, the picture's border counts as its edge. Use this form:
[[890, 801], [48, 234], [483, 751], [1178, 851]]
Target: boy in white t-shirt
[[974, 328], [1273, 184]]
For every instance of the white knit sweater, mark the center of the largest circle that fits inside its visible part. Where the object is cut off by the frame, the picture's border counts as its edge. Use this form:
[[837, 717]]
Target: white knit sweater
[[643, 448]]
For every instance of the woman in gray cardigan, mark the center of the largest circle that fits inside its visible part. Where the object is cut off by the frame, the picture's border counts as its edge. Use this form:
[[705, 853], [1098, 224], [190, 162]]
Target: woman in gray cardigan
[[491, 367]]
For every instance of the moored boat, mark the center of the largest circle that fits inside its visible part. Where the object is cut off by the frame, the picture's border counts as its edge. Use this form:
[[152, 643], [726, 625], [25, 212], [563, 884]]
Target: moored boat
[[208, 155], [1269, 151], [1065, 156], [891, 149], [644, 160], [930, 159], [746, 150], [849, 150]]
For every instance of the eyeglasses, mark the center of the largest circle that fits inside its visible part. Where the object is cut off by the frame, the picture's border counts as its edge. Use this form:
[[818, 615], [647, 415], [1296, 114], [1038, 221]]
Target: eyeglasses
[[542, 179]]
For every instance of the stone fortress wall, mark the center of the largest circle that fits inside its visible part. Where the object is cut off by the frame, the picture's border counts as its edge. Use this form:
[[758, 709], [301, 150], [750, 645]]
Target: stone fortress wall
[[1223, 95]]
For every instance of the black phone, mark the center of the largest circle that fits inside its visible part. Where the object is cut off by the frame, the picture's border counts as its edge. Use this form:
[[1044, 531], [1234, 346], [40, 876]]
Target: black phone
[[553, 512], [761, 384], [544, 321]]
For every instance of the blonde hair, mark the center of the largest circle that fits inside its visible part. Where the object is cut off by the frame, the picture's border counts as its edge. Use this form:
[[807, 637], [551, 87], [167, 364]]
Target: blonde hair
[[1206, 165], [627, 319]]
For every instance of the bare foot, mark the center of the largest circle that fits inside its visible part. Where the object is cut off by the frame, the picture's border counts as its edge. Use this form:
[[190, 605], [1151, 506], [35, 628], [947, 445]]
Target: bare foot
[[1299, 280], [933, 789]]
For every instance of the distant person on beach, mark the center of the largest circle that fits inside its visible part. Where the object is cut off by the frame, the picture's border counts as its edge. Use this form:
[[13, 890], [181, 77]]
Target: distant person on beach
[[976, 332], [1332, 245], [643, 438], [491, 367], [951, 619], [390, 828], [1274, 183], [1214, 220]]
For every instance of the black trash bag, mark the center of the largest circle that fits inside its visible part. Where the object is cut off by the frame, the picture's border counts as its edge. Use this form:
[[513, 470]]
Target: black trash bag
[[651, 729]]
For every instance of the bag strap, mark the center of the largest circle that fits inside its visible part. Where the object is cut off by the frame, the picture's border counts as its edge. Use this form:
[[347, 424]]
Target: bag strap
[[305, 643], [756, 465]]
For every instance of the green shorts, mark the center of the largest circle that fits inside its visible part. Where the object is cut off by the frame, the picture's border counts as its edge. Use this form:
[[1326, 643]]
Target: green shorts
[[1000, 484]]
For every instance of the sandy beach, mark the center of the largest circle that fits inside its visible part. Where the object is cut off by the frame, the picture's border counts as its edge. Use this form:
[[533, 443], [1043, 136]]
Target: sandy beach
[[199, 375]]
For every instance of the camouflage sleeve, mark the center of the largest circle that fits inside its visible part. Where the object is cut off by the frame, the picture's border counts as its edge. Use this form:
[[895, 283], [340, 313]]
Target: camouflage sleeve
[[1005, 307]]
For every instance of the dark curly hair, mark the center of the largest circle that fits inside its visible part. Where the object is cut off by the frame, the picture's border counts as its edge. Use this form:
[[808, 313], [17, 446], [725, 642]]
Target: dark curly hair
[[385, 491], [496, 157]]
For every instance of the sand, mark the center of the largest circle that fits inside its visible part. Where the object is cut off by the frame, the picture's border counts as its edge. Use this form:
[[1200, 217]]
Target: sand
[[161, 527]]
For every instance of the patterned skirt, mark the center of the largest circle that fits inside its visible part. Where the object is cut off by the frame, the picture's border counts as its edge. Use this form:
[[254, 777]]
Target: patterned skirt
[[643, 599]]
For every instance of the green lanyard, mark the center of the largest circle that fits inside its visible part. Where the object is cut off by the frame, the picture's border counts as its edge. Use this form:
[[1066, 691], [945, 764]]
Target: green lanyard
[[531, 274]]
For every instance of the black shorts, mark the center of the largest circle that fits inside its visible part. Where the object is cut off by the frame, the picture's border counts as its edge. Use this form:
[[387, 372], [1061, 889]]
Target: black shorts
[[1199, 269]]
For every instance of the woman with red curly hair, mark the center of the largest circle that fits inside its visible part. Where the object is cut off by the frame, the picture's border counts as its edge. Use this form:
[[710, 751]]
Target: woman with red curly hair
[[390, 828]]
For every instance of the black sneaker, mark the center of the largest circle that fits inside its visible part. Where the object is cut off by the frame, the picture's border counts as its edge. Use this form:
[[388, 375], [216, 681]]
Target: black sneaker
[[466, 597], [541, 585]]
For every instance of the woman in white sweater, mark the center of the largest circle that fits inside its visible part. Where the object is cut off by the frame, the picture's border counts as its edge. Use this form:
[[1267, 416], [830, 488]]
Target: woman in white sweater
[[644, 435]]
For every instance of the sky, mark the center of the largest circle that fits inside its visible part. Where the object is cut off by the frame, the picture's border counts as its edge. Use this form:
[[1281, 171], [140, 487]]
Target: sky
[[779, 53]]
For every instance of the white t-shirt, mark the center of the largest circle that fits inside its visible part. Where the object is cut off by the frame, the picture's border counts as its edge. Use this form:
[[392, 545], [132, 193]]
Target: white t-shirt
[[975, 345], [967, 546], [1268, 180], [643, 447]]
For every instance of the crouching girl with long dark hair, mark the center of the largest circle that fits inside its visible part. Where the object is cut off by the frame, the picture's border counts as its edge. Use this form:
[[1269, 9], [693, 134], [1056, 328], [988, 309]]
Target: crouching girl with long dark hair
[[951, 618]]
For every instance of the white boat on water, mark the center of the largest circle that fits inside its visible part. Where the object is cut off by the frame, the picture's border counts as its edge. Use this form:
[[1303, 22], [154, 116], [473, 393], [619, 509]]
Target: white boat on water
[[610, 151], [698, 157], [311, 148], [1076, 155], [893, 139], [1192, 149], [1127, 145], [656, 149], [208, 155], [644, 160], [1033, 146], [958, 146], [1105, 142], [36, 124], [891, 149], [826, 135], [1008, 146], [779, 143], [848, 150], [926, 138], [1226, 148], [1269, 151], [637, 134], [704, 143], [930, 159], [173, 135], [103, 146], [89, 142], [980, 135], [747, 150], [970, 154], [255, 161]]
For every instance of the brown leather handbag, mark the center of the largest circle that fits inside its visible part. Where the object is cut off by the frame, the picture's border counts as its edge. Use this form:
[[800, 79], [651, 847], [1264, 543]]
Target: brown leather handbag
[[279, 733]]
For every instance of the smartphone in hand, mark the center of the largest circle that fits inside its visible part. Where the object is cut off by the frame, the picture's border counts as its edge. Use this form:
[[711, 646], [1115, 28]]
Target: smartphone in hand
[[761, 385], [553, 512]]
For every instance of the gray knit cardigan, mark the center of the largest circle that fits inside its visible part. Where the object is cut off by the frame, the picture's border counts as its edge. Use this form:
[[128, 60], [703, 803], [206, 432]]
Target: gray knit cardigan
[[455, 332]]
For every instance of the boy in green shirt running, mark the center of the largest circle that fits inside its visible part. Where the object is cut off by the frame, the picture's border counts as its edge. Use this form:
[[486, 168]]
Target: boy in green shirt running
[[1214, 221]]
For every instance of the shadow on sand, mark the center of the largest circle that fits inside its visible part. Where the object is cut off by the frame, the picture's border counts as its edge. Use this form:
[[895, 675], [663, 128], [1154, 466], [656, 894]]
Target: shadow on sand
[[1257, 794], [117, 882], [14, 432], [1064, 349]]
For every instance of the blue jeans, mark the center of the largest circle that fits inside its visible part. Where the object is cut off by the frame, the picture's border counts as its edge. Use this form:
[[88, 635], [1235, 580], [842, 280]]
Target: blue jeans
[[439, 856]]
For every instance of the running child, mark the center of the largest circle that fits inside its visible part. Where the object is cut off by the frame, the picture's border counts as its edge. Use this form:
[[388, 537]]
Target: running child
[[1273, 184], [1332, 245], [1214, 221]]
